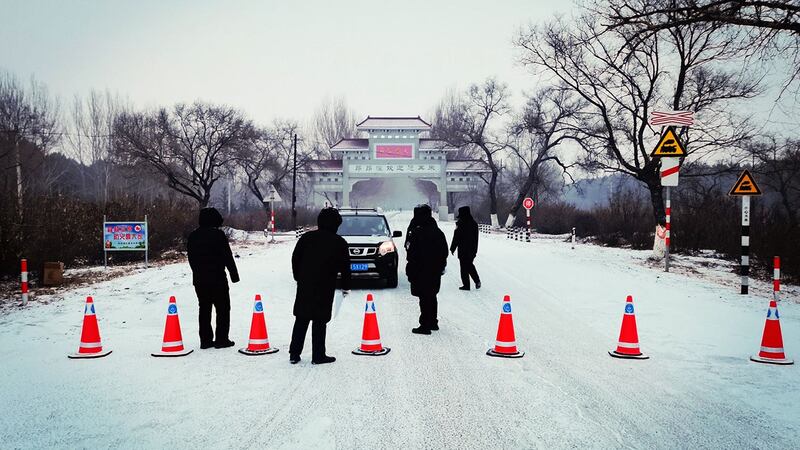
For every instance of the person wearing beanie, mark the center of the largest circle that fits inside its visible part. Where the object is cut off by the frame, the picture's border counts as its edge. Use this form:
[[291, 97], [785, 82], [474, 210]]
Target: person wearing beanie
[[426, 256], [465, 240], [209, 255], [318, 258]]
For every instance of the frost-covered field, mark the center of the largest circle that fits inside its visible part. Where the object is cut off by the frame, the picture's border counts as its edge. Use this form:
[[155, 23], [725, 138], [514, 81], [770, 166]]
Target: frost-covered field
[[698, 389]]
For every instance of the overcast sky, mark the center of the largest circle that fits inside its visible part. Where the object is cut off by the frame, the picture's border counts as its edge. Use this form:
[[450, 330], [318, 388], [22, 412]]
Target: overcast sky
[[270, 58]]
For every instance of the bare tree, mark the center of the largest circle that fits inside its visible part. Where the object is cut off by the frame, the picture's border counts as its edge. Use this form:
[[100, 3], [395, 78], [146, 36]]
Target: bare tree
[[333, 120], [189, 145], [778, 160], [90, 129], [267, 160], [536, 134], [763, 27], [28, 119], [621, 84], [468, 121]]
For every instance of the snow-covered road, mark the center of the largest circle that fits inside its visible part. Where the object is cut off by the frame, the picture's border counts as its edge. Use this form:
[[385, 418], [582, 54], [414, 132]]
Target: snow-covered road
[[698, 390]]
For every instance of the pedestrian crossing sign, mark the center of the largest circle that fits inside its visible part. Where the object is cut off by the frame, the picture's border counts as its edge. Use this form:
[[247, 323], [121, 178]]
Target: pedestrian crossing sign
[[669, 145], [745, 185]]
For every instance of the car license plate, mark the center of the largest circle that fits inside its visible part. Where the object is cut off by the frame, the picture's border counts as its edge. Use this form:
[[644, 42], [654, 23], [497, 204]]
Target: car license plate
[[359, 267]]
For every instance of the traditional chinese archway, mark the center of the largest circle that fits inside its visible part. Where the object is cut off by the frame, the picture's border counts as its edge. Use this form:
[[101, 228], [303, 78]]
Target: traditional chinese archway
[[393, 148]]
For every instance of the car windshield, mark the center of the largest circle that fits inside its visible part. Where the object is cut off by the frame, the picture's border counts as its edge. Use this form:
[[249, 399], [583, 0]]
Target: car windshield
[[363, 226]]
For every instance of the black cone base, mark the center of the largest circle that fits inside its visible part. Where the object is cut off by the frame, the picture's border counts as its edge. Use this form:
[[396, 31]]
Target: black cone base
[[381, 352]]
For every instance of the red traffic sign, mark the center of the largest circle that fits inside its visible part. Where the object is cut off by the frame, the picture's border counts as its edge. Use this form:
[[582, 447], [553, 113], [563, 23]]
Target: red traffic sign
[[527, 203]]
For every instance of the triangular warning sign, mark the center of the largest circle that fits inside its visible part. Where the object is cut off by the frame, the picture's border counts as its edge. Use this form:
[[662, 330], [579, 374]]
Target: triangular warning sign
[[669, 145], [745, 185]]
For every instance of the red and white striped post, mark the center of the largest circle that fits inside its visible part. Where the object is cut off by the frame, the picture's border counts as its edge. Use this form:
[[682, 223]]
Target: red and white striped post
[[668, 213], [24, 280], [776, 278]]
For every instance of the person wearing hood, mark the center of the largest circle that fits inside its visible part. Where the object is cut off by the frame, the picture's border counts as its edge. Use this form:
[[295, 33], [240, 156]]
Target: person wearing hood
[[318, 258], [465, 240], [426, 256], [209, 255]]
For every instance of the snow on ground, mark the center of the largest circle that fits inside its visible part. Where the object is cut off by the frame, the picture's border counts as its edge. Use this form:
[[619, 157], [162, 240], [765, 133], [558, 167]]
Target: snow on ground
[[698, 390]]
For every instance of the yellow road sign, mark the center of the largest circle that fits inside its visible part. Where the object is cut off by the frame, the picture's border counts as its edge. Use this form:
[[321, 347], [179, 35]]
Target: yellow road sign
[[669, 145], [745, 185]]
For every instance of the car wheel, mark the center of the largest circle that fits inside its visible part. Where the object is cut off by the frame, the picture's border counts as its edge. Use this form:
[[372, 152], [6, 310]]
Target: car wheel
[[391, 282]]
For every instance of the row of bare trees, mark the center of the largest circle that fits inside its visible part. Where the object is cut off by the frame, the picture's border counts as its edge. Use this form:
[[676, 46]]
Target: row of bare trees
[[603, 71]]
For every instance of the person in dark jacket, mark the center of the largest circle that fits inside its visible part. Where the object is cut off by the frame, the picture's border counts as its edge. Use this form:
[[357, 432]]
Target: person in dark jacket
[[465, 240], [209, 256], [317, 259], [426, 257]]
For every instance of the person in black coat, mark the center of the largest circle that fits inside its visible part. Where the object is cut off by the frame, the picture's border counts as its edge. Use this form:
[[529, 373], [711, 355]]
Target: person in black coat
[[209, 256], [317, 259], [426, 256], [465, 240]]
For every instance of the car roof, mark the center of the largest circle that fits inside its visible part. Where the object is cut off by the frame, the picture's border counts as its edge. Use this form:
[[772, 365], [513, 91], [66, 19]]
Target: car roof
[[361, 214]]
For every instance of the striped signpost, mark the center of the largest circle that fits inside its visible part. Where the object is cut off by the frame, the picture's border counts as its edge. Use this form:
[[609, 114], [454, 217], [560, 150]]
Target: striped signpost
[[776, 278], [745, 187], [669, 150], [273, 197], [24, 280], [528, 204]]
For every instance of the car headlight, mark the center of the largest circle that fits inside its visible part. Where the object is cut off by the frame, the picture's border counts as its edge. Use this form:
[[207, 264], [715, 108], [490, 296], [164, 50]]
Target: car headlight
[[386, 247]]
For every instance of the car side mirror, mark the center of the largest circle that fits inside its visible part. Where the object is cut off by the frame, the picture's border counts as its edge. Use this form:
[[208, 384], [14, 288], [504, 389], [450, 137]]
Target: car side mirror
[[397, 234]]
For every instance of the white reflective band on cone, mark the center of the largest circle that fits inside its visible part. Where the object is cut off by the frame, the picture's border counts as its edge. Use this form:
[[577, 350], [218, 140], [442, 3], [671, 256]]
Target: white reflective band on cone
[[24, 276], [745, 240], [771, 350], [91, 344], [627, 345], [776, 274], [773, 314], [373, 342], [172, 344], [259, 341], [745, 260], [505, 344]]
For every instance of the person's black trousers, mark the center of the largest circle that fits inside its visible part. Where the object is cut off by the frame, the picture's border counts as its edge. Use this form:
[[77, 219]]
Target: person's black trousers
[[318, 328], [220, 299], [428, 309], [468, 270]]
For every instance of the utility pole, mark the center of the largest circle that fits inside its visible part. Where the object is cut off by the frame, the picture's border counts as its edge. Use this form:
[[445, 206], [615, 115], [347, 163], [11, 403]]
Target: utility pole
[[294, 184]]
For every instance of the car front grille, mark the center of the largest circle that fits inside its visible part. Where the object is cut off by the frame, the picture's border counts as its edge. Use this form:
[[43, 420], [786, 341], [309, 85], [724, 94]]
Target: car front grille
[[362, 251]]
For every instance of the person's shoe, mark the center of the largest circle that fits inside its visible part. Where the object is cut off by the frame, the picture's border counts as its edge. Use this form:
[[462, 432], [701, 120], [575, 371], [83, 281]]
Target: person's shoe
[[294, 359], [464, 288], [205, 345], [478, 285], [421, 330], [324, 360], [224, 344], [435, 328]]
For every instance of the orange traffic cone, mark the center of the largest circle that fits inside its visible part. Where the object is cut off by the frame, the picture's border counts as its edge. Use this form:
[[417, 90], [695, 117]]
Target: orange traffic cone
[[505, 345], [772, 339], [259, 342], [172, 345], [90, 346], [628, 345], [371, 336]]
